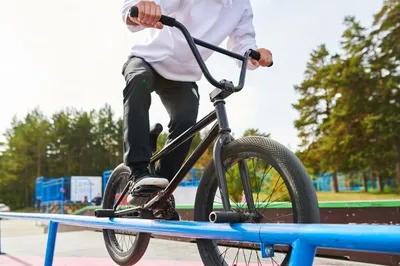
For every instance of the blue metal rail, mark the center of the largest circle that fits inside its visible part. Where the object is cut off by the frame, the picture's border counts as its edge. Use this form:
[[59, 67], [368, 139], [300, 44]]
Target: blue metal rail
[[304, 238]]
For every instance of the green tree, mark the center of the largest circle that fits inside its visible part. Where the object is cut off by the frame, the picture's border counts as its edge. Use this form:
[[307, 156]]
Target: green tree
[[24, 159], [255, 132], [59, 151], [348, 138], [68, 143], [108, 139], [349, 103], [318, 94], [387, 77]]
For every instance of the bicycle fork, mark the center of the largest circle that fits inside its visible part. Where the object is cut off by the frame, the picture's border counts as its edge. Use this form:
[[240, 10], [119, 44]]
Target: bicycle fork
[[229, 216]]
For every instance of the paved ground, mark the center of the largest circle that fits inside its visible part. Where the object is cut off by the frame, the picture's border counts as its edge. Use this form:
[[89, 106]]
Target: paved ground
[[16, 228], [24, 244]]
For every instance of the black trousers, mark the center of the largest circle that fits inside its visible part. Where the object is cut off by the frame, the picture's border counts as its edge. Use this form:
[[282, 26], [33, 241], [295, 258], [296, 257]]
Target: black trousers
[[180, 99]]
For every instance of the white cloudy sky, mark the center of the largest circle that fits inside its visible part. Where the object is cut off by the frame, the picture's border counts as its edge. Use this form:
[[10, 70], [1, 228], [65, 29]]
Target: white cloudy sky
[[55, 54]]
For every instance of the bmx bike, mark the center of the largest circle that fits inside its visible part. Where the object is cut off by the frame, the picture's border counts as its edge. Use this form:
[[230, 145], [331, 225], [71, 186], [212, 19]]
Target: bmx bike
[[229, 159]]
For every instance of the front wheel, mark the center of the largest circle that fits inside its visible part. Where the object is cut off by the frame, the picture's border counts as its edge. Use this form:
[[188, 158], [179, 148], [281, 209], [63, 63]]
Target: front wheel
[[125, 248], [282, 192]]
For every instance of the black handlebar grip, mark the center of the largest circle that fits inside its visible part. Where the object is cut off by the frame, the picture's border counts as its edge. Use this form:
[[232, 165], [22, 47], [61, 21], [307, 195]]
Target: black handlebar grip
[[256, 56], [165, 20]]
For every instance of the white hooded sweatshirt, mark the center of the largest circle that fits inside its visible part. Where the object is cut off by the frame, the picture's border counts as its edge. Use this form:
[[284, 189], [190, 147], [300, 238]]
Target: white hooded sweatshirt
[[212, 21]]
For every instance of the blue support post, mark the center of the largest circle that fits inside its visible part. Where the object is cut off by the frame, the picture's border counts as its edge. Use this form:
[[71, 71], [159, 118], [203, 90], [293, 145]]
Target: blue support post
[[302, 253], [51, 243]]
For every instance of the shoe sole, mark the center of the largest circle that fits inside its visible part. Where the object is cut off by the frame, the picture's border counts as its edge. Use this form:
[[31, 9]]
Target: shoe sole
[[152, 181], [146, 188]]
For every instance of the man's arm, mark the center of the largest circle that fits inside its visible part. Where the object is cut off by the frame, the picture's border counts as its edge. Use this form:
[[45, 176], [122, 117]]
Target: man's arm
[[243, 38]]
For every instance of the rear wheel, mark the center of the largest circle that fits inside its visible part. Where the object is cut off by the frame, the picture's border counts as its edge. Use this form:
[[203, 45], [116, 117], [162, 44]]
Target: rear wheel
[[282, 192], [125, 248]]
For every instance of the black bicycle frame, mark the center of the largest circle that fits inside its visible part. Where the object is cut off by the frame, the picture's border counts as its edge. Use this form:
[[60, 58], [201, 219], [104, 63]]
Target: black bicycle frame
[[220, 129], [190, 162]]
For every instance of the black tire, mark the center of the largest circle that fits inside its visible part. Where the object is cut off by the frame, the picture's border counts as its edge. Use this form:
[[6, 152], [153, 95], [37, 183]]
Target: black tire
[[139, 246], [293, 173]]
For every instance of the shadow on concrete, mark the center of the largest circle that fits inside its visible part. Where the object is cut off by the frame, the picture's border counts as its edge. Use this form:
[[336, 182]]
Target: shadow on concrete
[[21, 262]]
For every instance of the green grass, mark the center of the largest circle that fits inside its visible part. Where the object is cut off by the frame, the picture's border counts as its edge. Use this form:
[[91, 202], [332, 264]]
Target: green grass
[[27, 209], [344, 196]]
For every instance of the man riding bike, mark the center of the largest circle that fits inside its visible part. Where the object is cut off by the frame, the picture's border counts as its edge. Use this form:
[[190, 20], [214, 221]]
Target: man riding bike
[[163, 63]]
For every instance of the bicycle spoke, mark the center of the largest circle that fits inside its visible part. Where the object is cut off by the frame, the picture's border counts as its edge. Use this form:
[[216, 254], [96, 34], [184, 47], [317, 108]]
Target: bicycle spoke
[[261, 177]]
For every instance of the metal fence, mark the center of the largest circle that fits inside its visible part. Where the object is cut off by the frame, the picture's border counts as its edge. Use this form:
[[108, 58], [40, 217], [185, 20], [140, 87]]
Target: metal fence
[[304, 238], [53, 194], [57, 191], [323, 183]]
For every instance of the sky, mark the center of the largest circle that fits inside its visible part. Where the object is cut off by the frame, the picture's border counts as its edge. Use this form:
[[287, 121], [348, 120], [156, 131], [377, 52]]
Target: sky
[[56, 54]]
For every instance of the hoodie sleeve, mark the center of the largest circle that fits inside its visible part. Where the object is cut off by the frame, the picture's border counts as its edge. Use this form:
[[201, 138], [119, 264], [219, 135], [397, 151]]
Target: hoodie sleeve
[[243, 36], [167, 6]]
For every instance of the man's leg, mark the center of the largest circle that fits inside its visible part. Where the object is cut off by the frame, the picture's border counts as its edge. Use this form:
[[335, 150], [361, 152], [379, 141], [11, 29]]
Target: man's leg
[[140, 79], [181, 100]]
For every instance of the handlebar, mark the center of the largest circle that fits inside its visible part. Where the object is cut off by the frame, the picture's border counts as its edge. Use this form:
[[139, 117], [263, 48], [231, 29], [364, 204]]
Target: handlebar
[[172, 22]]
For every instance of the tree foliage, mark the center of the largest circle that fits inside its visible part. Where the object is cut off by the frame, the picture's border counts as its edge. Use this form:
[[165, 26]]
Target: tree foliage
[[349, 103], [67, 143], [70, 142]]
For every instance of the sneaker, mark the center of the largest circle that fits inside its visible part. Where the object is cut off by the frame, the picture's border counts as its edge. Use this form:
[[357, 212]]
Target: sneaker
[[144, 187]]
